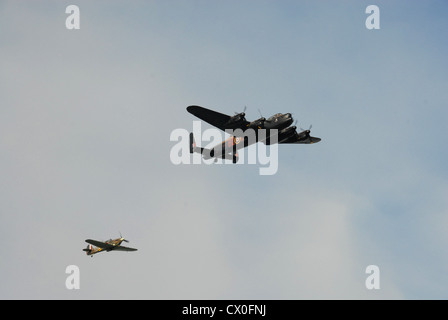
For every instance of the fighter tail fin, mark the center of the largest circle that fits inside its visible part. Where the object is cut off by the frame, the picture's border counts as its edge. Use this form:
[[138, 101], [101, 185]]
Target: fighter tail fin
[[88, 250]]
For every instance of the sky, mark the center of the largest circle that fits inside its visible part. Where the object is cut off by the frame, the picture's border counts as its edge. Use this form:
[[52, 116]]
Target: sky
[[85, 123]]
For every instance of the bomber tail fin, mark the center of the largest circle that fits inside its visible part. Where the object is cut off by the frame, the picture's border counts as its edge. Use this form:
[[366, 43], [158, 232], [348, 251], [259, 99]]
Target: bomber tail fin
[[194, 148], [192, 143], [230, 156]]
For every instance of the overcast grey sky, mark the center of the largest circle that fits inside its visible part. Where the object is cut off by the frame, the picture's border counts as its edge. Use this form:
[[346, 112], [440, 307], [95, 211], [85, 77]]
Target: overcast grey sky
[[85, 123]]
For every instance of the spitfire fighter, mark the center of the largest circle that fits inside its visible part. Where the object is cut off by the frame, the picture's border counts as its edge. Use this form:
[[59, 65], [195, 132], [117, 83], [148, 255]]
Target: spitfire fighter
[[109, 245]]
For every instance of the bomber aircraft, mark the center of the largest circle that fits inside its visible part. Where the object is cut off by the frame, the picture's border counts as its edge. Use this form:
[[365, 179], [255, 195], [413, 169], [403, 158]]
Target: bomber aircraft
[[239, 125], [109, 245]]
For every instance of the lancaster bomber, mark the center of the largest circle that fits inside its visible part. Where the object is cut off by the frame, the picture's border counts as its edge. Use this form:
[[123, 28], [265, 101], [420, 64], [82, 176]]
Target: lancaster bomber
[[279, 125]]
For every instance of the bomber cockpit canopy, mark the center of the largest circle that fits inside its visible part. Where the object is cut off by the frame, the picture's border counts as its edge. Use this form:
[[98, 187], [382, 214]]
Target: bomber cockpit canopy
[[274, 116]]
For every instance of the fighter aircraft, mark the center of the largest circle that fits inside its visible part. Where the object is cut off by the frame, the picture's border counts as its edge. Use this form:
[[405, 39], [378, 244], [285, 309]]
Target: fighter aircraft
[[280, 122], [109, 245]]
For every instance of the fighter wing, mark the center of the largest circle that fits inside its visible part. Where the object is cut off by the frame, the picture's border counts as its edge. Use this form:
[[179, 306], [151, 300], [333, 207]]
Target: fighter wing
[[123, 248], [216, 119], [100, 244]]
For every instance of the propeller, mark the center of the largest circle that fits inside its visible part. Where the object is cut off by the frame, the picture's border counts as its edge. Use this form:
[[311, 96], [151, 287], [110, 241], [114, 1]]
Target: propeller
[[242, 113], [259, 123], [309, 129], [262, 118], [238, 117], [121, 237]]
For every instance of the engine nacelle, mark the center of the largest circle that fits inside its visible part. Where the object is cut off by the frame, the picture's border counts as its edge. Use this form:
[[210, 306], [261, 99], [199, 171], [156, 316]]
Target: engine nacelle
[[303, 135], [287, 134], [236, 120], [257, 124]]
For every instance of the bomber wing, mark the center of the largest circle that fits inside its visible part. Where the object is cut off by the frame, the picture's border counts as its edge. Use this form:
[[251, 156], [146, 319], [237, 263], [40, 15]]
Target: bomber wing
[[304, 139], [214, 118]]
